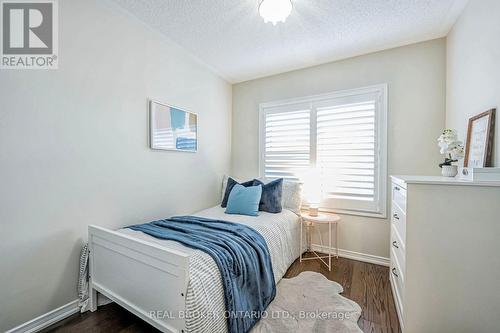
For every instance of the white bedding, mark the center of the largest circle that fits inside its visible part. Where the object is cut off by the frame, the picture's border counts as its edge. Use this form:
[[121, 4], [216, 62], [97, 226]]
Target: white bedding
[[205, 294]]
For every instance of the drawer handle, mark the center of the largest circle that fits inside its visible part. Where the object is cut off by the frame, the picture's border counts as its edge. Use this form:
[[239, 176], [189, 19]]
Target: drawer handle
[[395, 244], [394, 272], [397, 188], [395, 216]]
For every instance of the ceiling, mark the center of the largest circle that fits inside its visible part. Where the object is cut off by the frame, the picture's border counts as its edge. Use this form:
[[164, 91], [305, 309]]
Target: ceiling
[[231, 38]]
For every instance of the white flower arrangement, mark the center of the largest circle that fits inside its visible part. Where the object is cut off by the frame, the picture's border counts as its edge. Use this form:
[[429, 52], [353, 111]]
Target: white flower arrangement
[[450, 146]]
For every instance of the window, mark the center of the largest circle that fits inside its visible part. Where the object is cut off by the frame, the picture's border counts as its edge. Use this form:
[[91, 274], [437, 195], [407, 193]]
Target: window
[[343, 134]]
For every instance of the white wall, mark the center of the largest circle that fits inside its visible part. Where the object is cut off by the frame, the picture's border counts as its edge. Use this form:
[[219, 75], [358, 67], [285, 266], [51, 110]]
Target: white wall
[[473, 68], [415, 76], [74, 149]]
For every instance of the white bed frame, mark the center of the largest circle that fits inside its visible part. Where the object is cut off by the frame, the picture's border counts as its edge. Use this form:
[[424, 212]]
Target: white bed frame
[[144, 278]]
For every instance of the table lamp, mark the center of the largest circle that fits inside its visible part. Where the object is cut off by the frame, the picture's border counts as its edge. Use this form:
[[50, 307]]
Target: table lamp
[[312, 190]]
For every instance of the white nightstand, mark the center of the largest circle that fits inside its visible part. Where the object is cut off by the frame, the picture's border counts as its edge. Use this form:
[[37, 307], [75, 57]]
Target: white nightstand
[[310, 221]]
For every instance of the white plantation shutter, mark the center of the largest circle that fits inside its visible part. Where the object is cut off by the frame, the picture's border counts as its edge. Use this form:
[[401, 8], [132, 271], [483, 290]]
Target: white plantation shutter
[[286, 142], [343, 134], [347, 152]]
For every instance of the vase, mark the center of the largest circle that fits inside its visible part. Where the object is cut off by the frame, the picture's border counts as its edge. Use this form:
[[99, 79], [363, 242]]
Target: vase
[[449, 170]]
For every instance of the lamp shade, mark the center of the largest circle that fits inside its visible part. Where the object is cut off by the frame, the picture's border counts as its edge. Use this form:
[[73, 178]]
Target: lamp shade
[[312, 186]]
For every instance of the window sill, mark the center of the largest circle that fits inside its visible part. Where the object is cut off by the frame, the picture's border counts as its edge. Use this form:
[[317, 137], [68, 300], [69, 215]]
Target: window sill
[[382, 215]]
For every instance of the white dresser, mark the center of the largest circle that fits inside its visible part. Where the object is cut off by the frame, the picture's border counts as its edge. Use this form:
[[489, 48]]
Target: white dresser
[[445, 254]]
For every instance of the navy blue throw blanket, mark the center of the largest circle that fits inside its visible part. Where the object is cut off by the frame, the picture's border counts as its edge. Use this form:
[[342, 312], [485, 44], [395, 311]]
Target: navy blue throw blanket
[[241, 254]]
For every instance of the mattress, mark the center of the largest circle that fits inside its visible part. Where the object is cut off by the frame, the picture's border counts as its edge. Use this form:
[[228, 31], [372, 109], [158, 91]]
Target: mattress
[[205, 294]]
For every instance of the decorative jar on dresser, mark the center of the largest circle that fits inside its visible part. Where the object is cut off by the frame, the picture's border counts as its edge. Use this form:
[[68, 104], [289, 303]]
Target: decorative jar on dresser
[[445, 254]]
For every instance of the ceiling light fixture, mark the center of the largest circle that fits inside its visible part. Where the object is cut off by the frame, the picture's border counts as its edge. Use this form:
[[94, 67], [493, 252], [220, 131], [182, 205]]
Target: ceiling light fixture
[[275, 11]]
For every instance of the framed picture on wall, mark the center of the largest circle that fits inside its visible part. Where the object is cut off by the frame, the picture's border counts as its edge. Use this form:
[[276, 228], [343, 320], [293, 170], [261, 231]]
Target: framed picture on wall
[[171, 128], [480, 140]]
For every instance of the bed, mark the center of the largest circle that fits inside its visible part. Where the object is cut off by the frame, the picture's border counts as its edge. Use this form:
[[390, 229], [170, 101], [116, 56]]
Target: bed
[[161, 281]]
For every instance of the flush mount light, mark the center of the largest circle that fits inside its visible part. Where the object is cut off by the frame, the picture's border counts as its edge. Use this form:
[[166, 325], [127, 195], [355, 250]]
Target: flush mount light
[[275, 11]]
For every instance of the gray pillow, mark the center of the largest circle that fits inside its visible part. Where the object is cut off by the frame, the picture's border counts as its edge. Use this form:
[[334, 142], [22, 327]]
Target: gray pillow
[[272, 192], [229, 186], [292, 195]]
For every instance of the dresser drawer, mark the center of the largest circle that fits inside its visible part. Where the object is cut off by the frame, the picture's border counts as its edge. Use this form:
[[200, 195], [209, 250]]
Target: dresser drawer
[[397, 283], [398, 220], [399, 197], [398, 248]]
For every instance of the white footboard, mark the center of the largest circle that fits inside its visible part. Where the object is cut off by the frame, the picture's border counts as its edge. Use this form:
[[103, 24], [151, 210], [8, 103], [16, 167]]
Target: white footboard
[[145, 278]]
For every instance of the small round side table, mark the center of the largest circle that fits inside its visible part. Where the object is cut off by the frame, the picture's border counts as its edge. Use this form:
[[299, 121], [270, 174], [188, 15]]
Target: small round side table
[[309, 221]]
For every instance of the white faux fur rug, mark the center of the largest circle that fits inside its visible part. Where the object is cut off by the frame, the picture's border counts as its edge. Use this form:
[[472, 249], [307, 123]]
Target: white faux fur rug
[[310, 302]]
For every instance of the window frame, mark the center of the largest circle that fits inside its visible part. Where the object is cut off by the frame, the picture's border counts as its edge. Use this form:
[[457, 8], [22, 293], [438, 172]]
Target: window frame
[[381, 139]]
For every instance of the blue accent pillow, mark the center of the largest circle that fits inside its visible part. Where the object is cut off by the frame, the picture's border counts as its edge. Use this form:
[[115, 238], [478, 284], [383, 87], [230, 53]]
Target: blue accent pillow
[[230, 183], [244, 200], [272, 192]]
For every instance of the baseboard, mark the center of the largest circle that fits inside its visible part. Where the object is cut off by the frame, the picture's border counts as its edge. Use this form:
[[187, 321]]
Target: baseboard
[[47, 319], [353, 255]]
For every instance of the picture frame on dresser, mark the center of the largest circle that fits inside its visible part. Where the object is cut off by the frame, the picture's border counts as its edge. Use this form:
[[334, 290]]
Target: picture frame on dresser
[[479, 144]]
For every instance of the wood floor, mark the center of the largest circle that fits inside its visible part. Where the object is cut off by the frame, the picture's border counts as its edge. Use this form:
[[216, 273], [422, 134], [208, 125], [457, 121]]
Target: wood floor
[[366, 284]]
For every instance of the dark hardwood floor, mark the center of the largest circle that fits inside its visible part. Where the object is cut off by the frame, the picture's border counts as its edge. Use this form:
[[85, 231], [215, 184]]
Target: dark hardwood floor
[[366, 284]]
